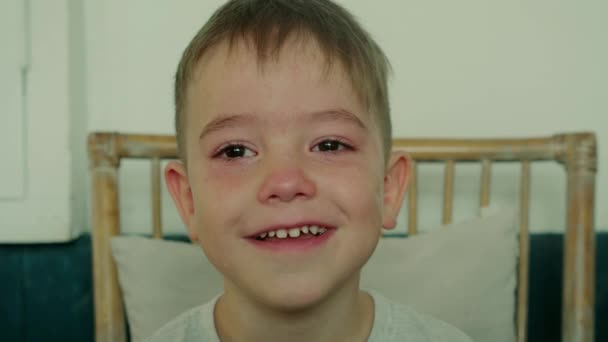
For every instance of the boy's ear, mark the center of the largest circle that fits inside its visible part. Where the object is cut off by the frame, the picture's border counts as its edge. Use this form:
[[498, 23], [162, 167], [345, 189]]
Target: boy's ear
[[395, 184], [178, 185]]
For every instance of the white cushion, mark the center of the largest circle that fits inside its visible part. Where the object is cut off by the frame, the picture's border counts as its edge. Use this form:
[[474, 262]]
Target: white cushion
[[464, 274], [160, 279]]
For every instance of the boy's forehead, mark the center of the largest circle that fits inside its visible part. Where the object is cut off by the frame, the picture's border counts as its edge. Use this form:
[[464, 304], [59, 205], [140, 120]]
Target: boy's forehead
[[242, 52], [225, 67]]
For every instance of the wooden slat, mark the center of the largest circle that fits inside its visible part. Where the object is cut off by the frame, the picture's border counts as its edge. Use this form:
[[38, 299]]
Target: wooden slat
[[578, 319], [524, 252], [156, 199], [473, 150], [145, 146], [109, 315], [486, 170], [412, 224], [448, 192]]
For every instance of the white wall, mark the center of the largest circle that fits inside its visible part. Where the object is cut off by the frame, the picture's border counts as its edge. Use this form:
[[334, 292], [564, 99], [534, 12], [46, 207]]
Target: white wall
[[462, 68], [37, 145], [78, 116], [13, 61]]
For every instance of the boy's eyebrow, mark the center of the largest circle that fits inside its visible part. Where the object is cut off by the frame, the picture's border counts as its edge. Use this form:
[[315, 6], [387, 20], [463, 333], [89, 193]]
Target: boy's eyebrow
[[225, 121], [338, 115], [231, 120]]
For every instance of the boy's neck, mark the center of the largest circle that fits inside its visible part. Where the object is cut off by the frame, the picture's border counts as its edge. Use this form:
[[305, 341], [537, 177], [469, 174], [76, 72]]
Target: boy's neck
[[347, 315]]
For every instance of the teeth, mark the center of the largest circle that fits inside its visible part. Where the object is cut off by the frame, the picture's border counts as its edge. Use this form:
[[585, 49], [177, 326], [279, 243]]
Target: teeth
[[313, 230], [294, 232], [281, 233]]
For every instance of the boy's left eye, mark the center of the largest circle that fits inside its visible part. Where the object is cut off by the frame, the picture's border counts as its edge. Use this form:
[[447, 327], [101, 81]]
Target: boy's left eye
[[332, 145], [234, 151]]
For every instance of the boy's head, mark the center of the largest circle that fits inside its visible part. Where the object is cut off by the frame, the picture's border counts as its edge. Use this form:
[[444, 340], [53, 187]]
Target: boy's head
[[266, 25], [282, 116]]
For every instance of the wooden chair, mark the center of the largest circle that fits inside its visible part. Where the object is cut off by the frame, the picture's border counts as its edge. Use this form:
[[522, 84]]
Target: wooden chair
[[576, 152]]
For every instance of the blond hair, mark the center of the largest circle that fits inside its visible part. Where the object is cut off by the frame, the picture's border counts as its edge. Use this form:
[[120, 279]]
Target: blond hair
[[267, 24]]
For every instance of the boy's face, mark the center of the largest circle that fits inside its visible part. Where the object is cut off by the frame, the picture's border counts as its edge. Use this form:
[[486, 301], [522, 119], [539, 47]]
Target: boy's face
[[283, 146]]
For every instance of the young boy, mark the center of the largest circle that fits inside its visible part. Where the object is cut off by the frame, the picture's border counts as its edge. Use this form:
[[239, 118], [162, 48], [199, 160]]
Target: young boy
[[286, 176]]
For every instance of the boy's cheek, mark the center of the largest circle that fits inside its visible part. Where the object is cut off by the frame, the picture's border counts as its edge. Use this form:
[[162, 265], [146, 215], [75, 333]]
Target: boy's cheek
[[220, 175]]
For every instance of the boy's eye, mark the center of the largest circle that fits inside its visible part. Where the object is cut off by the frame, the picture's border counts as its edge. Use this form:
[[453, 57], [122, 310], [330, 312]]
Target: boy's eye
[[331, 145], [235, 151]]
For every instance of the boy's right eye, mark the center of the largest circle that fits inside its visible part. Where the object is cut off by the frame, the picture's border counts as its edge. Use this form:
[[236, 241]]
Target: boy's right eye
[[234, 151]]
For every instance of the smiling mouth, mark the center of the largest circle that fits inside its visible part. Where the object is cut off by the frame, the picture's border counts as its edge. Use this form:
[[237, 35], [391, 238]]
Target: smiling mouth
[[293, 240], [300, 233]]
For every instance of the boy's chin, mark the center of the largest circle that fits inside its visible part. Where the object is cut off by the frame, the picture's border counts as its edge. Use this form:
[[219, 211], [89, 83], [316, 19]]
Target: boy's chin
[[293, 301], [293, 297]]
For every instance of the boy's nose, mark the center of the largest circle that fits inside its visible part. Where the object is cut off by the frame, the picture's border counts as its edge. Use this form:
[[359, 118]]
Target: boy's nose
[[285, 182]]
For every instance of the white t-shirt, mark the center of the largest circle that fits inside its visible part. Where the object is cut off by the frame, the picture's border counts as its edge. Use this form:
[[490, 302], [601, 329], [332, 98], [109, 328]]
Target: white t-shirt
[[392, 323]]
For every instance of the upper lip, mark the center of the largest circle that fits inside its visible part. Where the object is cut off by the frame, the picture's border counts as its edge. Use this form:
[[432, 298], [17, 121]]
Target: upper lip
[[287, 226]]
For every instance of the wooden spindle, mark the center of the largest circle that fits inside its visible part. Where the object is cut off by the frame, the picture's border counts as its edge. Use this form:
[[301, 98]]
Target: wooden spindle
[[156, 199], [448, 192], [524, 252], [486, 170], [412, 224]]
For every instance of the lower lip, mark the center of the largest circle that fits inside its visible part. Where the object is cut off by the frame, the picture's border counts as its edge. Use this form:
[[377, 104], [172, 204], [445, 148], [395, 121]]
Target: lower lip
[[293, 245]]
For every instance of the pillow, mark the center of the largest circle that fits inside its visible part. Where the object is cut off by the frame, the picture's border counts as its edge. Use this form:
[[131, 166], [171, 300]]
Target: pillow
[[160, 279], [464, 274]]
